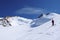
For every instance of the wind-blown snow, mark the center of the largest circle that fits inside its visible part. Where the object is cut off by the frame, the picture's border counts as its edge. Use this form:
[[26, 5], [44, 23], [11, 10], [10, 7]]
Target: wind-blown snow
[[21, 28]]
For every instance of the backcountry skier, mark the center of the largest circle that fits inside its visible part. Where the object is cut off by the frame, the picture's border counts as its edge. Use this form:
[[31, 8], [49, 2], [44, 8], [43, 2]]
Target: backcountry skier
[[52, 22]]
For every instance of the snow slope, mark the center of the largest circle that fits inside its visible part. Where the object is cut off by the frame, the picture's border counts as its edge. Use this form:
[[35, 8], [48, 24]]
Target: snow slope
[[22, 28]]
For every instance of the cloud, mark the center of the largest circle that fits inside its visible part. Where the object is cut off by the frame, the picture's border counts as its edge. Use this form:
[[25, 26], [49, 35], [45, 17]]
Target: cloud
[[29, 10]]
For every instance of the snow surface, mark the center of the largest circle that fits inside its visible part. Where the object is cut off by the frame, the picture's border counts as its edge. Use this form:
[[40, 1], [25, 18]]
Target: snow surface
[[22, 28]]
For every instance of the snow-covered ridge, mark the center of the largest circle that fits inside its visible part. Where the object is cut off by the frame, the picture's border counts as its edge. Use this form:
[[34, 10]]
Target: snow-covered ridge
[[43, 19], [52, 15], [17, 20], [21, 28]]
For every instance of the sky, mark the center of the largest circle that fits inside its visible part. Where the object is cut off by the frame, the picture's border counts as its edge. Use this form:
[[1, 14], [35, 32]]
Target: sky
[[28, 8]]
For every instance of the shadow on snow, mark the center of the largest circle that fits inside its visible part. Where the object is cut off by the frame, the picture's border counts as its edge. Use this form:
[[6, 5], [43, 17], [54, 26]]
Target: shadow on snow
[[39, 21]]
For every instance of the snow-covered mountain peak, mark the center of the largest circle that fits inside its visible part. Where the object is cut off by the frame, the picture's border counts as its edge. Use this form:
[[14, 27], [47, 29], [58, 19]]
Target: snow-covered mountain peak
[[52, 15], [14, 20], [21, 28], [45, 18], [17, 20]]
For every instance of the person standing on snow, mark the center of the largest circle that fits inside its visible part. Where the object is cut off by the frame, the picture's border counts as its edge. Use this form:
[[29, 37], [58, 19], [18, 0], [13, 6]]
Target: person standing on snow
[[52, 22]]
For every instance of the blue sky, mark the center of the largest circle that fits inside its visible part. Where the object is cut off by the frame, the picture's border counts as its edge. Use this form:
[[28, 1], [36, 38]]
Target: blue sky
[[28, 8]]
